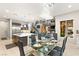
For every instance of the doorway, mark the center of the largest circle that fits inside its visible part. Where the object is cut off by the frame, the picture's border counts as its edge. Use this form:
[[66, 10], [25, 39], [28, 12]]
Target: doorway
[[4, 29]]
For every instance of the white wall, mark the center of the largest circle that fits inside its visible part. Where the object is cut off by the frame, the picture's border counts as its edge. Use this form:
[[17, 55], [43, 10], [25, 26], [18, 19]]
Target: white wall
[[69, 16]]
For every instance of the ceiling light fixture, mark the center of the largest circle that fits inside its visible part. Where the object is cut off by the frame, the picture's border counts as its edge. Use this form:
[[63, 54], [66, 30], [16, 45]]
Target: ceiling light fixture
[[7, 11], [50, 4], [69, 6]]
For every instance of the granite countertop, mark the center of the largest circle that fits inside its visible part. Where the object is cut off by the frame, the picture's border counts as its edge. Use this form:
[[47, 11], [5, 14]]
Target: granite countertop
[[23, 34]]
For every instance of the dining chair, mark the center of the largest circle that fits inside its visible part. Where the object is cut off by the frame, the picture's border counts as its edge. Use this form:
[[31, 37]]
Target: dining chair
[[48, 35], [25, 50], [33, 39], [55, 36], [58, 51], [39, 36], [21, 49]]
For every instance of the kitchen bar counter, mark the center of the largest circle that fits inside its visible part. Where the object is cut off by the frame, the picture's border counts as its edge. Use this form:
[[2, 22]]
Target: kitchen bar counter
[[19, 36], [23, 34]]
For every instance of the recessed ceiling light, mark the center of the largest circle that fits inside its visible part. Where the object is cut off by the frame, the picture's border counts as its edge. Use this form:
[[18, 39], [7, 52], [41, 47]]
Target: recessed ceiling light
[[7, 10], [69, 6]]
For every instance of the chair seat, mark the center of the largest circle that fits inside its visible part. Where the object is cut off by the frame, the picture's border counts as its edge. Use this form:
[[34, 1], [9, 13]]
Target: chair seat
[[57, 48], [54, 53]]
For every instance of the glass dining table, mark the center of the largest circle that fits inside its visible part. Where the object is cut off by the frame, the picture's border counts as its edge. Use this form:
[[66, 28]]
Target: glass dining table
[[43, 48]]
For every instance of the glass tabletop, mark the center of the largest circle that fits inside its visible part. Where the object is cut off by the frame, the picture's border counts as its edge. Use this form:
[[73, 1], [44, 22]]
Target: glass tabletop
[[45, 48]]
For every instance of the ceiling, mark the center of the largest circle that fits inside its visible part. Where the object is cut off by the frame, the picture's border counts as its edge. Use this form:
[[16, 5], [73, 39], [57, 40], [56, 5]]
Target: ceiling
[[20, 11], [63, 8], [30, 12]]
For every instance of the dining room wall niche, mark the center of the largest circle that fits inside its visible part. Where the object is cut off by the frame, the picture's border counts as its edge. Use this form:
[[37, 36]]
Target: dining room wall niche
[[66, 28]]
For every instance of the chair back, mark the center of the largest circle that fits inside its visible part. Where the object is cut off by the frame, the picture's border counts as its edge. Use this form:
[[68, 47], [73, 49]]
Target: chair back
[[55, 36], [63, 45], [33, 39], [39, 36]]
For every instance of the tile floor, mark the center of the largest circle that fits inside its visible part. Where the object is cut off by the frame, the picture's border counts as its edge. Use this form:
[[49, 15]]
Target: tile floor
[[71, 48], [8, 52]]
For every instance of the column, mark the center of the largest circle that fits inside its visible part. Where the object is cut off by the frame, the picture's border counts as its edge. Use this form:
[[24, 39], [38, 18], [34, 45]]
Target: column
[[10, 28]]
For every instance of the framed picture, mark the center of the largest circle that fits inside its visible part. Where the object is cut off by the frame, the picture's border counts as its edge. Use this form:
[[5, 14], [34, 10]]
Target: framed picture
[[70, 27], [69, 23], [62, 28]]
